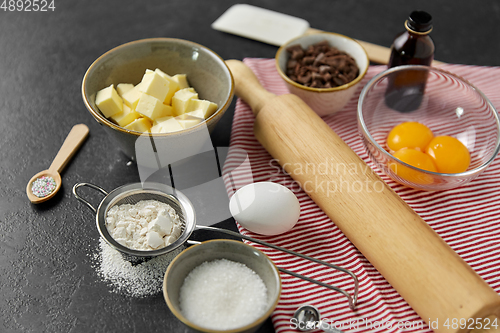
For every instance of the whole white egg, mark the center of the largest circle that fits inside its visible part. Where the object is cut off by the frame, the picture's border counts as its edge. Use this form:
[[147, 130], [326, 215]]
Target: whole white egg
[[265, 208]]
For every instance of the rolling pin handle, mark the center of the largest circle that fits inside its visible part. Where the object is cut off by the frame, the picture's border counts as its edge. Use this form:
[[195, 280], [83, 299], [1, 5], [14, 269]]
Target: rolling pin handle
[[248, 87]]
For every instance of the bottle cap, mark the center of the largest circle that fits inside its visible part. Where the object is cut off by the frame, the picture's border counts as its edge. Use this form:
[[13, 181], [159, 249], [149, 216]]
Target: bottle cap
[[419, 22]]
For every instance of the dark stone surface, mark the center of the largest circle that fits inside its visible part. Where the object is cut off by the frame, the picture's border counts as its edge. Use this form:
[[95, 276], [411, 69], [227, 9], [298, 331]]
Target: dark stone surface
[[46, 279]]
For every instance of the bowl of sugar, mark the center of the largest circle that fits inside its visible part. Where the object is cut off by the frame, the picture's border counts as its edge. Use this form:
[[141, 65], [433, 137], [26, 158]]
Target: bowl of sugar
[[222, 286]]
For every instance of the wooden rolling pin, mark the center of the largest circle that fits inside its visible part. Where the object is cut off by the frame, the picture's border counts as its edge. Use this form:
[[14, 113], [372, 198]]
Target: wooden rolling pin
[[415, 260]]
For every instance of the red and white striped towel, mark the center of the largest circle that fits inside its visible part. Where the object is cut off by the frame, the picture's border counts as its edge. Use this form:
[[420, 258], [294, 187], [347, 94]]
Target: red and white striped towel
[[467, 218]]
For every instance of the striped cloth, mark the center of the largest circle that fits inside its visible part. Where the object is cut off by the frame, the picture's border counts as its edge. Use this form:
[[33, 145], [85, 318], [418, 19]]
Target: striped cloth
[[467, 218]]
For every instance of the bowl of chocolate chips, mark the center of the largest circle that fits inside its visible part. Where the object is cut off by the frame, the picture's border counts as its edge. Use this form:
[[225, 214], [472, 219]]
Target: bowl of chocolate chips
[[323, 69]]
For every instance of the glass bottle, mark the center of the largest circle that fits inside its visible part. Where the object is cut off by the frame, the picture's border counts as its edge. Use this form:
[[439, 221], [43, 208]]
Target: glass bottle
[[413, 46]]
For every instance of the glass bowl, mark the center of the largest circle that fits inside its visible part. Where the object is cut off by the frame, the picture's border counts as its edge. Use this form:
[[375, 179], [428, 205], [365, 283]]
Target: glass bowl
[[444, 102]]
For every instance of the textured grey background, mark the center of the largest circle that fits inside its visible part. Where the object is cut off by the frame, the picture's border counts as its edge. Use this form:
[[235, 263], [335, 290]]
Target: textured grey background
[[46, 281]]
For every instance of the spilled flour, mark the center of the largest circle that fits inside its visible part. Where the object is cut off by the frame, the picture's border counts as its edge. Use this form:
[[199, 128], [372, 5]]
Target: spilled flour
[[140, 280]]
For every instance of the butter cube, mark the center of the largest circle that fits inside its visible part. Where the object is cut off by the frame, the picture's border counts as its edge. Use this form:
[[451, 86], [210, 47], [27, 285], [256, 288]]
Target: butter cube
[[162, 119], [173, 87], [181, 80], [139, 125], [126, 116], [196, 113], [122, 88], [156, 128], [155, 85], [108, 101], [168, 126], [131, 97], [181, 99], [168, 110], [152, 107], [208, 108], [189, 121]]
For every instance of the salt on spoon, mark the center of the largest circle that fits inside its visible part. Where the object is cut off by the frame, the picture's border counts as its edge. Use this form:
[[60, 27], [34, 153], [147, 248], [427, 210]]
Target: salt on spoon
[[45, 184]]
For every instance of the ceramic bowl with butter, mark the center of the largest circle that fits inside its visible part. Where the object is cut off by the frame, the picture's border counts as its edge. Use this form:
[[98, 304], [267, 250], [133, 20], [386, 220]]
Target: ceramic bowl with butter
[[127, 64], [223, 300], [414, 103], [324, 101]]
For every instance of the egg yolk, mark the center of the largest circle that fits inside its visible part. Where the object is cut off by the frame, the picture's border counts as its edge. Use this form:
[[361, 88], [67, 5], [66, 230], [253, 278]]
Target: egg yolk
[[410, 134], [417, 159], [449, 154]]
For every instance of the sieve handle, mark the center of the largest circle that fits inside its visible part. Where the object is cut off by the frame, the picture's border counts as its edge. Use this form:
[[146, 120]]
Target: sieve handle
[[95, 187]]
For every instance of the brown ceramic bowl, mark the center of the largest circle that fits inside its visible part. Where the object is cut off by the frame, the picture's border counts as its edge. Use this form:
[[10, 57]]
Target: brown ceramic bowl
[[206, 72], [194, 256]]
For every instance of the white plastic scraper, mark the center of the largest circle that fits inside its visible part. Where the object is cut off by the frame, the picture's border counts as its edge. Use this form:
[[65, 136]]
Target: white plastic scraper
[[260, 24]]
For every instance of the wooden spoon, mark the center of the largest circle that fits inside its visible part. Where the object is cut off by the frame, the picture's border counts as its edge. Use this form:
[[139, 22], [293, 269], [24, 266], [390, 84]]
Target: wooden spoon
[[73, 141]]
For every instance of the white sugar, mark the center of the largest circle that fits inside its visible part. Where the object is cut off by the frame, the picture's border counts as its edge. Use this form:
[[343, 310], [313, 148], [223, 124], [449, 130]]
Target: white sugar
[[223, 295], [147, 225], [140, 280]]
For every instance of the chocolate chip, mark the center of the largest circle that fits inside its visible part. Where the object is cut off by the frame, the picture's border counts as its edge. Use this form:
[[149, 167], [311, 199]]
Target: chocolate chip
[[308, 60], [297, 55], [338, 81], [317, 84], [324, 69], [317, 76], [312, 68], [304, 78], [291, 64], [318, 60]]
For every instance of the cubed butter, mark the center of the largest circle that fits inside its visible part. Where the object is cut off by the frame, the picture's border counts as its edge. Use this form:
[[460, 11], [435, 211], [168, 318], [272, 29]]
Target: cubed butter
[[167, 126], [155, 85], [152, 107], [131, 97], [189, 122], [139, 125], [122, 88], [196, 113], [126, 116], [174, 86], [208, 108], [181, 99], [168, 110], [108, 101], [160, 120], [181, 80]]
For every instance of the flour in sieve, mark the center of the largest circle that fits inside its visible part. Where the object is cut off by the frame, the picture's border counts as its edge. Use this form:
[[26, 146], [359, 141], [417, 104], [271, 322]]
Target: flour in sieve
[[140, 280], [147, 225]]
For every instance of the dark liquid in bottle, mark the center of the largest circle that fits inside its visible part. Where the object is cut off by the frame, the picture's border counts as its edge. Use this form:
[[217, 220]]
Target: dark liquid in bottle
[[406, 89]]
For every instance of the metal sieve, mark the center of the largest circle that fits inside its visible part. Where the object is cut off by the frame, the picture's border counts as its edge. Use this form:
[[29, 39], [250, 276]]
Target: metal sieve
[[133, 193]]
